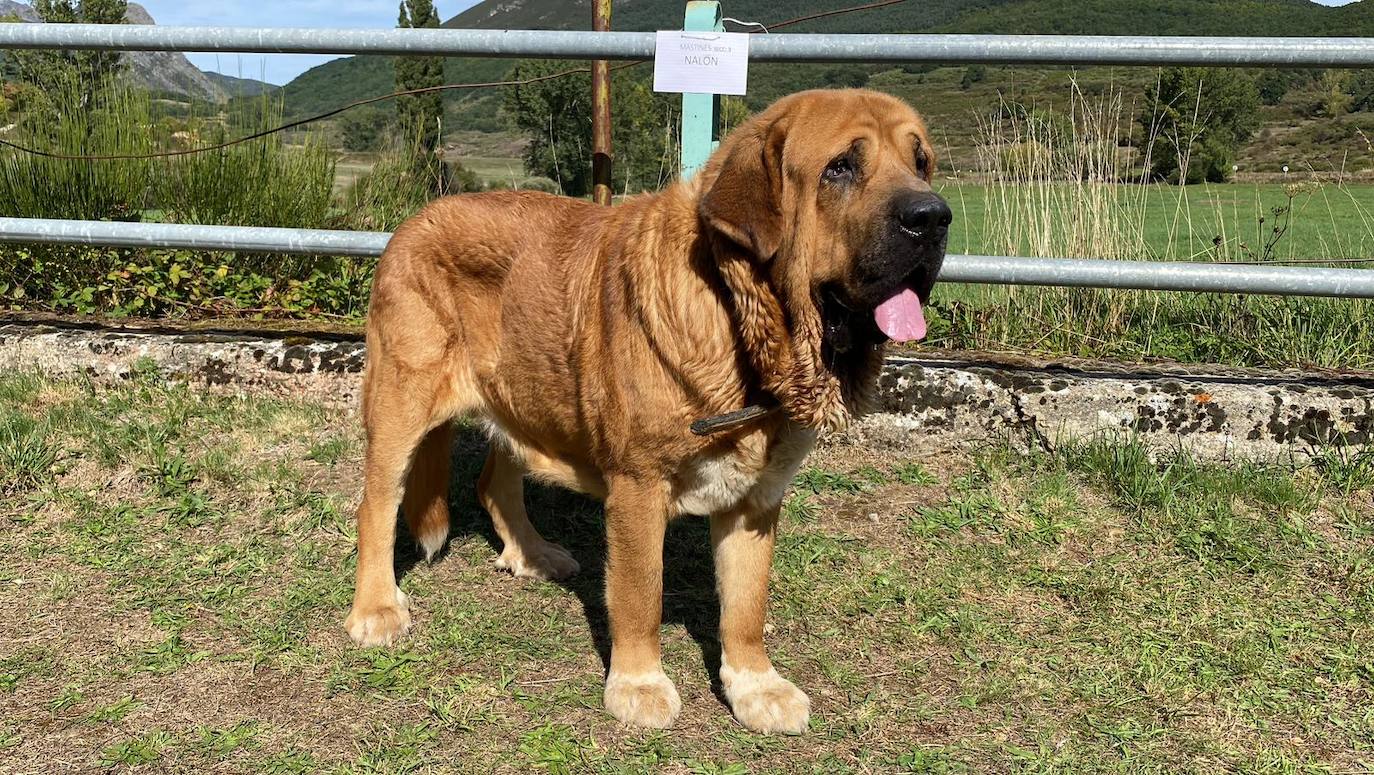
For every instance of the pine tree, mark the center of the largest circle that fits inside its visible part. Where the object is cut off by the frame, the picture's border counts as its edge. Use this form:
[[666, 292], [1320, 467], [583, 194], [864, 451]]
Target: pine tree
[[419, 114]]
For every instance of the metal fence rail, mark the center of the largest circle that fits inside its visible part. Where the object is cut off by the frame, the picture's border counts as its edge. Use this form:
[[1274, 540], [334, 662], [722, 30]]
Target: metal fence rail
[[926, 49], [247, 239], [1068, 272]]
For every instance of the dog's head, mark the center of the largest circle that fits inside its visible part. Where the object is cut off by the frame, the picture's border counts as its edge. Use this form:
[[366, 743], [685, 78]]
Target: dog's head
[[822, 217]]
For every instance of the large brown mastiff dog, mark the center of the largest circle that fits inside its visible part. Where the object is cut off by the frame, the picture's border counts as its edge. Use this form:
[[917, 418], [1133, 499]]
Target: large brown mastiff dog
[[588, 340]]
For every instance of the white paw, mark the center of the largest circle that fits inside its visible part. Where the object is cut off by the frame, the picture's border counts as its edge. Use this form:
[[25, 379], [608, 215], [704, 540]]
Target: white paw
[[374, 625], [647, 700], [765, 701], [544, 561]]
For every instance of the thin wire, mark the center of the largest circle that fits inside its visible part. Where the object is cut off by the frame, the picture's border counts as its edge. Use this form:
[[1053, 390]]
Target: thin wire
[[393, 95], [742, 23], [293, 124], [836, 12]]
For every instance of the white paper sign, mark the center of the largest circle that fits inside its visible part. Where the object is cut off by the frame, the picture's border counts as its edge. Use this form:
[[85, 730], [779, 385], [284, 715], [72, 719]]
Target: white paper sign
[[701, 62]]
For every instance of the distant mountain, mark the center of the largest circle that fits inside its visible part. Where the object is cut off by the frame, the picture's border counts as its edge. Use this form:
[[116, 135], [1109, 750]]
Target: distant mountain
[[167, 72], [525, 15], [230, 86], [912, 16], [1049, 17], [24, 12], [343, 80]]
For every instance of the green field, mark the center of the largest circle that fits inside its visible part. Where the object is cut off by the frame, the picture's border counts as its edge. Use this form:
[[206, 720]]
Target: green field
[[496, 169], [175, 566], [1326, 221], [1304, 222]]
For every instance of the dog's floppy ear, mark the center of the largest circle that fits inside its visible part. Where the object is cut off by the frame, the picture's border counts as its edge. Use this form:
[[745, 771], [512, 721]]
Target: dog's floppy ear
[[744, 202]]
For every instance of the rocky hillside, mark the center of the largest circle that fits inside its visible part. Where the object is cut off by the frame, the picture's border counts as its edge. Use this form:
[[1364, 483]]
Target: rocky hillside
[[164, 71]]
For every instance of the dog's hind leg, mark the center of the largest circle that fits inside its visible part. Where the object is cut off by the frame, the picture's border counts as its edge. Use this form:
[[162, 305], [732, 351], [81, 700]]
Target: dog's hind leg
[[525, 553], [426, 499], [397, 412]]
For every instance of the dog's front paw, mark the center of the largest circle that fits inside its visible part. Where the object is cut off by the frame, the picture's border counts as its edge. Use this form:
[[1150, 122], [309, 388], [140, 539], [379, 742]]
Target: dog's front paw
[[765, 701], [545, 561], [378, 625], [647, 700]]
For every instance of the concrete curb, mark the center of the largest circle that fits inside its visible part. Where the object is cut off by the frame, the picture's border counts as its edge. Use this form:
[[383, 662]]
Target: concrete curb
[[1213, 412], [929, 402]]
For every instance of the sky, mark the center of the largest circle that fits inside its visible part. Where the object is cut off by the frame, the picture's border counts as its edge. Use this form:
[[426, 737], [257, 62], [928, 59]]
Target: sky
[[281, 68]]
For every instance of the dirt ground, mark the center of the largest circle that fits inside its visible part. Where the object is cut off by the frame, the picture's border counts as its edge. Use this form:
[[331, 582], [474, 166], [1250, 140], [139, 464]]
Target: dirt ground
[[175, 567]]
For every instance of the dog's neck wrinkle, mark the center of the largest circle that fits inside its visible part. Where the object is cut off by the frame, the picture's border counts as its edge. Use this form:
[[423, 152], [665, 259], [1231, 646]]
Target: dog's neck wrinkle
[[675, 295]]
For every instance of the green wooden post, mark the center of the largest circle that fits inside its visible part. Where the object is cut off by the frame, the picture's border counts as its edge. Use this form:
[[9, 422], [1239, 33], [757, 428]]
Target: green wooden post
[[700, 112]]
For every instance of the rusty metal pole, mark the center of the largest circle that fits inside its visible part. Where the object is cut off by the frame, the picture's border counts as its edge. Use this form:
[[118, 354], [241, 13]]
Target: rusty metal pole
[[601, 112]]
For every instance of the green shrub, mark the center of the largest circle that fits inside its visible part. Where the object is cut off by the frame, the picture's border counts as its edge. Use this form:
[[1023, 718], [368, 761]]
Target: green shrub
[[277, 181], [40, 187], [392, 191], [262, 183], [546, 185]]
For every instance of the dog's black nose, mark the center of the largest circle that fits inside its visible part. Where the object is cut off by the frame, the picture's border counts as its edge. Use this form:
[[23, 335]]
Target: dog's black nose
[[924, 215]]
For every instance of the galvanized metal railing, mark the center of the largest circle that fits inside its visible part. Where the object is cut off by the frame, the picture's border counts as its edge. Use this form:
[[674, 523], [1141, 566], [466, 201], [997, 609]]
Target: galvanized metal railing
[[778, 47], [928, 49], [1001, 270]]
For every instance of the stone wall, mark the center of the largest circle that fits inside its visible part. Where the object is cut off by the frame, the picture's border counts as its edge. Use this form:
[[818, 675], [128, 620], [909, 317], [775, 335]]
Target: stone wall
[[930, 402]]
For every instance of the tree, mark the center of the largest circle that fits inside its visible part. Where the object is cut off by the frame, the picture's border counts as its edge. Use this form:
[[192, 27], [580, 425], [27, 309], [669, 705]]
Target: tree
[[88, 71], [98, 66], [1273, 84], [1197, 119], [363, 129], [419, 115], [9, 67], [1335, 98], [972, 75], [1362, 91], [555, 115]]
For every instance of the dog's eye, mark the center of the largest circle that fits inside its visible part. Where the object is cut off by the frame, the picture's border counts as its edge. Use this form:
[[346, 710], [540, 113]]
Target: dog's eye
[[839, 170], [922, 162]]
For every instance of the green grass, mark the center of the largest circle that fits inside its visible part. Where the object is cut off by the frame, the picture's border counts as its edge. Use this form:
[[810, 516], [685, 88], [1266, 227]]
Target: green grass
[[496, 168], [1271, 224], [176, 581], [1328, 221]]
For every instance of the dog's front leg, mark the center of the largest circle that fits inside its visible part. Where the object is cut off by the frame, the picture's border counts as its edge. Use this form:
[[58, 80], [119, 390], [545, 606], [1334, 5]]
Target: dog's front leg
[[637, 690], [761, 699]]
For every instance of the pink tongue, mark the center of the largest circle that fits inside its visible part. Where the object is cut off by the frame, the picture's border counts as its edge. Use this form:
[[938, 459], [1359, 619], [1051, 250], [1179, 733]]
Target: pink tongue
[[901, 317]]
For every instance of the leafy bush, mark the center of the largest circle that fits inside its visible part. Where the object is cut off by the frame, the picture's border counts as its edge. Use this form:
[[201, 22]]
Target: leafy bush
[[364, 129], [262, 183], [392, 191], [265, 182], [1196, 119], [539, 184]]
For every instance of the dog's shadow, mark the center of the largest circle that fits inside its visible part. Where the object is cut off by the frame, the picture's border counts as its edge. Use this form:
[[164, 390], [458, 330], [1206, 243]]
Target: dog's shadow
[[577, 523]]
